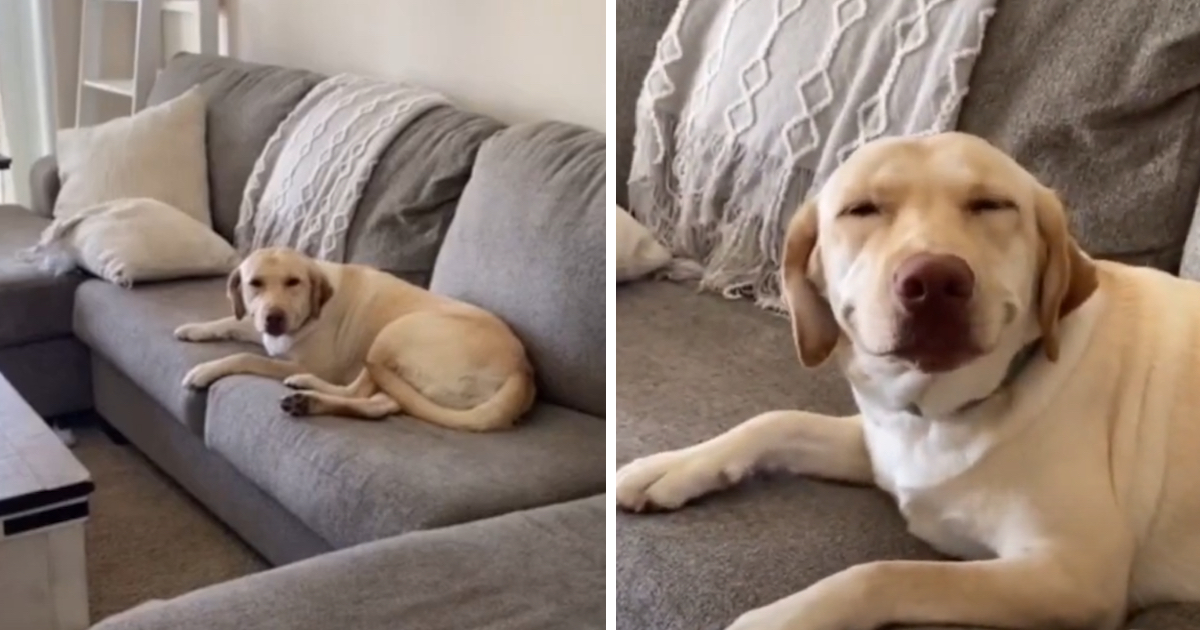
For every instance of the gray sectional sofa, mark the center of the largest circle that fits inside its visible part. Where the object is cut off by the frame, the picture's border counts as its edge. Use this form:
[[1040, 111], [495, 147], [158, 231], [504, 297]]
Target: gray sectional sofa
[[411, 522], [1100, 98]]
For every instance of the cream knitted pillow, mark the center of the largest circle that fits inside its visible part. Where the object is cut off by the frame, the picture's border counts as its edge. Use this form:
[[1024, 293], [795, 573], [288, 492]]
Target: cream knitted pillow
[[158, 153]]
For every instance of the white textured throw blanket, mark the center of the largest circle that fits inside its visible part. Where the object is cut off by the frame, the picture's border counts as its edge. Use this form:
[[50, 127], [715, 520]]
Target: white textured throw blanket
[[750, 104], [306, 185]]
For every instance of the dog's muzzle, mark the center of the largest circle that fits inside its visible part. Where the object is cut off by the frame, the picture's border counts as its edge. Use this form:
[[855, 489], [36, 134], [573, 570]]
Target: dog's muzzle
[[933, 294]]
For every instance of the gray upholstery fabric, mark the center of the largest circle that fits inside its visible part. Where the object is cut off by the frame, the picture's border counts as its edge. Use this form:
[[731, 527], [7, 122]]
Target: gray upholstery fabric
[[639, 25], [44, 185], [246, 102], [1099, 99], [691, 365], [29, 366], [413, 193], [536, 570], [37, 306], [353, 481], [256, 517], [528, 244], [133, 330]]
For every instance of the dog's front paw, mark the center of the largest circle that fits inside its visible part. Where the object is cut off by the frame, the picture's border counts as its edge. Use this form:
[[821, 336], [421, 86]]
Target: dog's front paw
[[297, 404], [668, 480], [202, 376], [190, 332]]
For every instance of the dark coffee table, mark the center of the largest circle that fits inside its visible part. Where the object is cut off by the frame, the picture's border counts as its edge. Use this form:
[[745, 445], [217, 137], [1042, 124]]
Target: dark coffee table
[[44, 494]]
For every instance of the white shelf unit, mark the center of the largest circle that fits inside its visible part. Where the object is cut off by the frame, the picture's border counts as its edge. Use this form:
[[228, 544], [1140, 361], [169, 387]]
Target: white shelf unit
[[147, 51]]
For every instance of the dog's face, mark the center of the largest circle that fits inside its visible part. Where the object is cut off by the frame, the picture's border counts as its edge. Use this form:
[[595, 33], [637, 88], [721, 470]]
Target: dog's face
[[281, 289], [925, 251]]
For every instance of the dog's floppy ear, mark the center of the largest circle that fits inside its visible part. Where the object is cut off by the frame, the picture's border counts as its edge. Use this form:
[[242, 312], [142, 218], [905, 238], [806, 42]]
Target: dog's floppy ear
[[322, 290], [1068, 276], [233, 289], [814, 329]]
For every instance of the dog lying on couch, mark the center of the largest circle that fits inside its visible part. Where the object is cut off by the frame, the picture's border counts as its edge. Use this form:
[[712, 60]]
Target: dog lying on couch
[[1032, 411], [363, 343]]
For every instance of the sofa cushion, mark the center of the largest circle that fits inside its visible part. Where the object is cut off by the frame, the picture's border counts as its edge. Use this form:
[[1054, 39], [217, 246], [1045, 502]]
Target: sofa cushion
[[413, 192], [1100, 99], [528, 244], [352, 481], [37, 305], [691, 366], [540, 569], [246, 101], [133, 329]]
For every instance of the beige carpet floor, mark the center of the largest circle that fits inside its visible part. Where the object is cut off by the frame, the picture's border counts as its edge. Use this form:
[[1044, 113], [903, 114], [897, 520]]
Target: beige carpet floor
[[146, 538]]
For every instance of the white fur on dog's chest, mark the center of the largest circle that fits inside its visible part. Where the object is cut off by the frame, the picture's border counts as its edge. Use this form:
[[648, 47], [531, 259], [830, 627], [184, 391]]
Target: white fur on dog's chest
[[951, 529], [924, 474]]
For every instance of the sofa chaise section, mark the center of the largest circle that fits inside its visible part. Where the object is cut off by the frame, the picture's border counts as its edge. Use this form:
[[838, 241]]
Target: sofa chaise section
[[37, 304], [35, 323], [540, 569]]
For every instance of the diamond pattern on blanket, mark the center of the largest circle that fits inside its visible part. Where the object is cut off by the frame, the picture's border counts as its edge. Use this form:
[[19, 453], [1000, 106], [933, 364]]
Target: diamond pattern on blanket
[[749, 105]]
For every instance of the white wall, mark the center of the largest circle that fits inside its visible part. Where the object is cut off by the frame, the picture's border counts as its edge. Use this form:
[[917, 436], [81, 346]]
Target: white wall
[[517, 60]]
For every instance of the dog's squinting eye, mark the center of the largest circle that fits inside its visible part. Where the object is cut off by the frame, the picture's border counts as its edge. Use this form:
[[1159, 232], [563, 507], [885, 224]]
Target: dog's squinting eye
[[864, 209], [291, 282], [256, 283], [989, 205]]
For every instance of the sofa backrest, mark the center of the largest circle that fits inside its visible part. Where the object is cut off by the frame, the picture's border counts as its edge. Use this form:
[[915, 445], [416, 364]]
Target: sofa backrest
[[1099, 99], [407, 204], [413, 193], [528, 244]]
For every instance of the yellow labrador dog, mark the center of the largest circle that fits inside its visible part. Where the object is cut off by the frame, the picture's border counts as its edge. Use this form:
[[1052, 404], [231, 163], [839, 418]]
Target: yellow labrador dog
[[1033, 411], [364, 343]]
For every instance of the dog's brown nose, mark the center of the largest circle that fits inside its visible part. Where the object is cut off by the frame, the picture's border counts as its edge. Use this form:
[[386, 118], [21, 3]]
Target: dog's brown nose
[[275, 323], [933, 281]]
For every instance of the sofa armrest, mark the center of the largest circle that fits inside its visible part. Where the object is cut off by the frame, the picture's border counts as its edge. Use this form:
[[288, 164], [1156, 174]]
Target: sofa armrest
[[44, 185]]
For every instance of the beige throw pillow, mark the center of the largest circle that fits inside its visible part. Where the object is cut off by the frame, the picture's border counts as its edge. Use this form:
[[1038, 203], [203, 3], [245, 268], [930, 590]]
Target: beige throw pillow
[[158, 153], [131, 241]]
